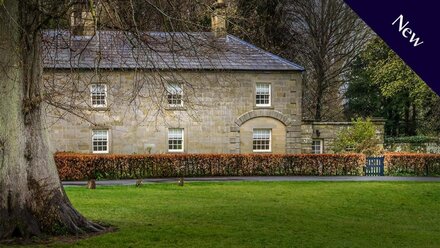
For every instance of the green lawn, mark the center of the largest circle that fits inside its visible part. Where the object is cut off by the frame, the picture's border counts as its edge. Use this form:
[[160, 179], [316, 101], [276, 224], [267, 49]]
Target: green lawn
[[264, 214]]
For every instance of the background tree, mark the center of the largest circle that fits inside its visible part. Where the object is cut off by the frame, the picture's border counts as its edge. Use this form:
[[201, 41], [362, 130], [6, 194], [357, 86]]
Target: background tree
[[327, 37], [158, 15], [264, 23], [382, 85]]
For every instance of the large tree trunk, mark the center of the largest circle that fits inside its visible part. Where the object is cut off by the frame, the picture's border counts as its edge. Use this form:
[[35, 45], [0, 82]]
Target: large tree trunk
[[32, 199], [407, 116], [318, 109], [319, 94], [414, 119]]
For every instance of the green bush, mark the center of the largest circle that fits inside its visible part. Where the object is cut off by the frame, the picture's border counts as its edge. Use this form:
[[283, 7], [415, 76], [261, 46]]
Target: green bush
[[359, 138]]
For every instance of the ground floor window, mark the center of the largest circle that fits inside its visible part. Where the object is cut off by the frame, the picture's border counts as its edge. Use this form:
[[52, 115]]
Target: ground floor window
[[100, 142], [317, 147], [262, 140], [175, 139]]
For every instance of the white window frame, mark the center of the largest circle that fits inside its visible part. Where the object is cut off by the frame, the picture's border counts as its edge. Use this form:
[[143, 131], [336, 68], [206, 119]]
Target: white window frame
[[174, 89], [270, 139], [183, 140], [321, 146], [270, 95], [105, 96], [106, 139]]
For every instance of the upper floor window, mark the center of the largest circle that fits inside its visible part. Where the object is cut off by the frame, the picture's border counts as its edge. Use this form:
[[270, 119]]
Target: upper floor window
[[262, 95], [175, 139], [100, 142], [98, 94], [175, 94], [262, 140], [317, 147]]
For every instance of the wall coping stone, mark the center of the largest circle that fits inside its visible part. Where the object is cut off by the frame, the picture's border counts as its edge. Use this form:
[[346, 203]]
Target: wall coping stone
[[312, 122]]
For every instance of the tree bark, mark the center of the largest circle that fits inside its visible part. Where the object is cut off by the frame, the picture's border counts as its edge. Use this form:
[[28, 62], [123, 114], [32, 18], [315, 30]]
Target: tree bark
[[319, 94], [318, 109], [32, 199], [407, 116], [414, 119]]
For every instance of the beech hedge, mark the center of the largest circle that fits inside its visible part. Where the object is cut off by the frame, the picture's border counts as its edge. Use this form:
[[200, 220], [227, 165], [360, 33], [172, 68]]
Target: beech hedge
[[73, 166], [412, 164]]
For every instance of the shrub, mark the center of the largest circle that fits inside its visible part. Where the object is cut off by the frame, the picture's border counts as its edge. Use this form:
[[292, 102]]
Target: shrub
[[73, 166], [412, 164], [359, 138]]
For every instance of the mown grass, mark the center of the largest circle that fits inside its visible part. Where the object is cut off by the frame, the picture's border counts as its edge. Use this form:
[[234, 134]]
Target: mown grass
[[264, 214]]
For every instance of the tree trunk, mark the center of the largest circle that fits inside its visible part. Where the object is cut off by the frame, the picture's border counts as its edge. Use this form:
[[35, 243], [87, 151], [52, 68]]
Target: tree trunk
[[319, 96], [414, 119], [318, 109], [32, 199], [407, 119]]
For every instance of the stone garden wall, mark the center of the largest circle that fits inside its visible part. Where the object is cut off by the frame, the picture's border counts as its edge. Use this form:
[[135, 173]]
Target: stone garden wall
[[328, 131]]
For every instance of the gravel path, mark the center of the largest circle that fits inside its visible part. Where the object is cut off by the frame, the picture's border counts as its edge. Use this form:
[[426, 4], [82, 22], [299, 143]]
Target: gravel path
[[263, 179]]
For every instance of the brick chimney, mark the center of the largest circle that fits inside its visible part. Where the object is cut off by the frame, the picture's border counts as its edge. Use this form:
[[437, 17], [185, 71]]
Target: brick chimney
[[218, 18], [82, 19]]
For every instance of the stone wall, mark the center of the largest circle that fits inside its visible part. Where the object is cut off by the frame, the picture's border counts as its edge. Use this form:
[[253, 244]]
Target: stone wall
[[429, 147], [217, 106], [328, 131]]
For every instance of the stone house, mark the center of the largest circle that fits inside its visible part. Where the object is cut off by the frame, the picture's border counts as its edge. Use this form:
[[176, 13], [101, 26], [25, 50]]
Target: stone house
[[173, 93]]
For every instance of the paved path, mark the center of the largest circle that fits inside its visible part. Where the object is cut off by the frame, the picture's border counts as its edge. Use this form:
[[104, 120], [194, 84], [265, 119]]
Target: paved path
[[264, 179]]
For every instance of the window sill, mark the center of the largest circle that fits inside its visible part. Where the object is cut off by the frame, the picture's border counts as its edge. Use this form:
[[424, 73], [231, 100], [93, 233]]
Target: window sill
[[262, 151], [99, 109], [175, 108]]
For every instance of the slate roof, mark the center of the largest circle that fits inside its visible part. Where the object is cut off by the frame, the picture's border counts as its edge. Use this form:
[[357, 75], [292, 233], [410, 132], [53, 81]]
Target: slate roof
[[157, 50]]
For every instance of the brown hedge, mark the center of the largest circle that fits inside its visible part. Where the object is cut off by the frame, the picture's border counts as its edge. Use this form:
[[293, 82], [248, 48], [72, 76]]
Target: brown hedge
[[73, 166], [412, 164]]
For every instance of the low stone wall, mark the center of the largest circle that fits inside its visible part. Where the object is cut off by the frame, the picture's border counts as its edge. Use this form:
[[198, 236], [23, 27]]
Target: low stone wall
[[430, 147], [327, 132]]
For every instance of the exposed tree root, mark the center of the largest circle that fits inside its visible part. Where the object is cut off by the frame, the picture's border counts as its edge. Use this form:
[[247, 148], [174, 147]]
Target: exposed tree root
[[45, 239], [56, 218]]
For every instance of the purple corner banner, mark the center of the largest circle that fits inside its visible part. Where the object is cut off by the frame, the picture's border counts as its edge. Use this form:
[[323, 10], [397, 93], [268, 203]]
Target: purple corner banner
[[413, 19]]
